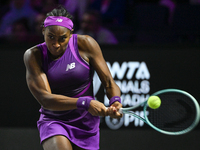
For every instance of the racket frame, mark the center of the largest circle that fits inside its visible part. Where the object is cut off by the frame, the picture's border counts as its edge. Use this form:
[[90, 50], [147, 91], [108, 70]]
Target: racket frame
[[146, 120]]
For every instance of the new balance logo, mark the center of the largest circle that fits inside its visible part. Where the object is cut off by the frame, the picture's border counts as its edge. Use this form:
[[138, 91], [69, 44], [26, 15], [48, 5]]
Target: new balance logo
[[83, 102], [70, 66], [59, 20]]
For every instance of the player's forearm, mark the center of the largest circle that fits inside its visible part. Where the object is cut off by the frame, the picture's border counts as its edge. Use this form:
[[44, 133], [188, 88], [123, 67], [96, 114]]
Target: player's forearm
[[113, 90], [55, 102]]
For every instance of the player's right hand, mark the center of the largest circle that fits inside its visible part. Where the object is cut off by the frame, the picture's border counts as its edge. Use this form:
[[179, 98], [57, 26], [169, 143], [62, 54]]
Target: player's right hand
[[97, 108]]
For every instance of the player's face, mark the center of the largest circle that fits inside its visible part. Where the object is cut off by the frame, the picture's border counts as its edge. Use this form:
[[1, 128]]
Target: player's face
[[56, 38]]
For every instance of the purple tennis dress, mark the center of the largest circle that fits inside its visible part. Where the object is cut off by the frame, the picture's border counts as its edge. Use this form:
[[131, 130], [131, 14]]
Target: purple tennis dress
[[71, 76]]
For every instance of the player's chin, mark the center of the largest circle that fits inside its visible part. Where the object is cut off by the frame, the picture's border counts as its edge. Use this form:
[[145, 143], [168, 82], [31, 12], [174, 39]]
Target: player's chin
[[56, 53]]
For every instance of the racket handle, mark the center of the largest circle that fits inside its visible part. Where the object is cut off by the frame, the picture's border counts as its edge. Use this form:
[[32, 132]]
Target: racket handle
[[120, 111]]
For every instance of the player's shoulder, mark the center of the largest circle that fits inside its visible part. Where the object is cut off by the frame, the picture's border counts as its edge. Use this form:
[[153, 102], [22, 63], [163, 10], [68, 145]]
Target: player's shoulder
[[32, 52], [86, 42], [84, 39]]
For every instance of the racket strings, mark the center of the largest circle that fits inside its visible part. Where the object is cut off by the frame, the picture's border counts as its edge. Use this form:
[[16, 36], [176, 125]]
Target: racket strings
[[177, 112]]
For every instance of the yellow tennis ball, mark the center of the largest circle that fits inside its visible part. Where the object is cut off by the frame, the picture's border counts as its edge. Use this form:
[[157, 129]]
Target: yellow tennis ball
[[154, 102]]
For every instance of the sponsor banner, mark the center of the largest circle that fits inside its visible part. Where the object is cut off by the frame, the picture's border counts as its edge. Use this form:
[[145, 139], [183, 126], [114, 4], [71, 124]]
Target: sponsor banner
[[139, 73], [133, 79]]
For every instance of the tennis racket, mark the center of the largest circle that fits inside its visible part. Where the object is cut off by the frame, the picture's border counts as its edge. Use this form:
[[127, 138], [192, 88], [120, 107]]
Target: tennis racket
[[178, 114]]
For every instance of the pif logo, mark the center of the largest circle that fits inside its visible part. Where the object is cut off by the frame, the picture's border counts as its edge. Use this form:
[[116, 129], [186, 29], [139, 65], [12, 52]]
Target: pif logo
[[115, 124]]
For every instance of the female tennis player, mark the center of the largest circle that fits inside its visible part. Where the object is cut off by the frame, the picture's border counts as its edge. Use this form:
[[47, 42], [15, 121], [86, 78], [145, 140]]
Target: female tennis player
[[59, 74]]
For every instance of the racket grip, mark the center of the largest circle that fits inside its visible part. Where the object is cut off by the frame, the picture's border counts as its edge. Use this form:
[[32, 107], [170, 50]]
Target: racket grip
[[120, 111]]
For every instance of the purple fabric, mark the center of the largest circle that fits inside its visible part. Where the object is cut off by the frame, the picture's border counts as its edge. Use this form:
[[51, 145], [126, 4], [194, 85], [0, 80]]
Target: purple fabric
[[114, 99], [83, 103], [67, 76], [59, 21]]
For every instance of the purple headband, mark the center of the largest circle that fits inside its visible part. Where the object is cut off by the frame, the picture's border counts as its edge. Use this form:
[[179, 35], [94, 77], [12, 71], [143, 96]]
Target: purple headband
[[59, 21]]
